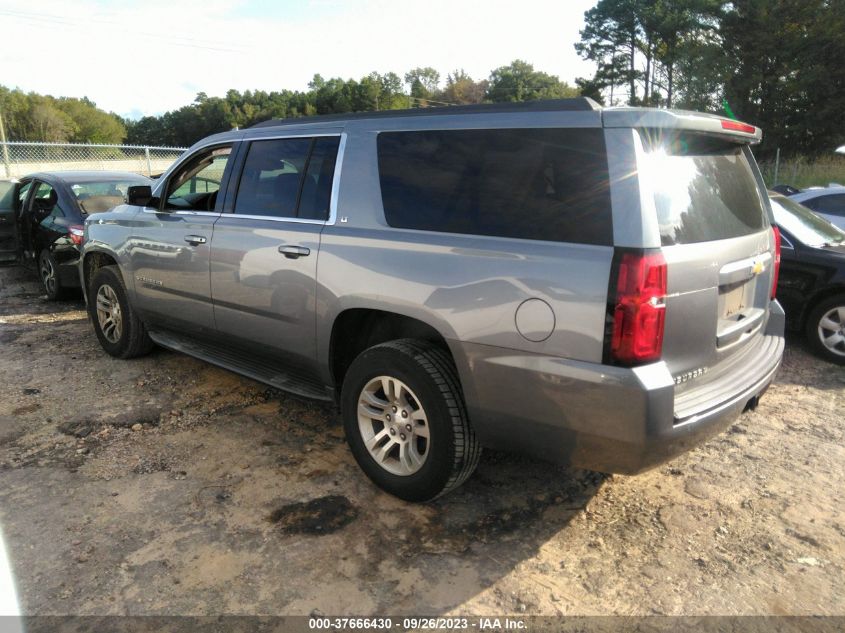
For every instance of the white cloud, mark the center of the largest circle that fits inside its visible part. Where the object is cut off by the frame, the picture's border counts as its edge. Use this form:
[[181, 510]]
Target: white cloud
[[155, 55]]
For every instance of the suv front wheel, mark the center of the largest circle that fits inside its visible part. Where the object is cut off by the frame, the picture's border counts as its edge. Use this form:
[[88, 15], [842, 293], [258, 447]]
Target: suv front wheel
[[406, 422], [119, 330]]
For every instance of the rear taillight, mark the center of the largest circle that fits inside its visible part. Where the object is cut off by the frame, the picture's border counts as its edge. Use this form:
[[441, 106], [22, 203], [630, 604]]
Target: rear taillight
[[776, 266], [76, 234], [638, 309]]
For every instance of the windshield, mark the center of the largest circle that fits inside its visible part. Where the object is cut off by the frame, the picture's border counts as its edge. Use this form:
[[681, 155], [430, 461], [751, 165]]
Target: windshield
[[102, 195], [803, 224]]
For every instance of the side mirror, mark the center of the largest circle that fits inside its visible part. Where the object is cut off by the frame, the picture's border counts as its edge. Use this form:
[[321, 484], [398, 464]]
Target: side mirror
[[139, 195]]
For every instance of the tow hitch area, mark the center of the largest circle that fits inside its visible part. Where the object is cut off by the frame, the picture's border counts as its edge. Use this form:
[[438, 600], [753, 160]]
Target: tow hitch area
[[752, 404]]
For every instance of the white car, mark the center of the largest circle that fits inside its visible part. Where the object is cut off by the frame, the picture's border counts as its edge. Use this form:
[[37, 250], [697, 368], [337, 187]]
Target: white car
[[828, 202]]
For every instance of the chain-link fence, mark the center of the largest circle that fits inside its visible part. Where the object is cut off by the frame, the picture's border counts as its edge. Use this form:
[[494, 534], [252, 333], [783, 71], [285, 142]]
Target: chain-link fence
[[20, 158]]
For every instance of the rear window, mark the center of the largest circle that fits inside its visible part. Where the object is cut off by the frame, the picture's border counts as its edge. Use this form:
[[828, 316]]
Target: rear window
[[832, 204], [704, 189], [537, 184]]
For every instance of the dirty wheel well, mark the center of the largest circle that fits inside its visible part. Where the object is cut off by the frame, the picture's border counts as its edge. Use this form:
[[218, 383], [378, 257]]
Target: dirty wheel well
[[95, 261], [359, 329]]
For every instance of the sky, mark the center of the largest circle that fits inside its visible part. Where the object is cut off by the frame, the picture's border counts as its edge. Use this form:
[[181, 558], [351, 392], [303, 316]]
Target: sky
[[146, 57]]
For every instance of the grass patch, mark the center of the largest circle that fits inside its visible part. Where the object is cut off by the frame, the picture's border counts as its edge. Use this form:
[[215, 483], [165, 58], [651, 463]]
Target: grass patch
[[802, 172]]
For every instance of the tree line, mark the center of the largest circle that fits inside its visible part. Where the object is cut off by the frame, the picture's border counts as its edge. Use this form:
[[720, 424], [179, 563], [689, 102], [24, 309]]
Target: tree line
[[34, 117], [774, 63]]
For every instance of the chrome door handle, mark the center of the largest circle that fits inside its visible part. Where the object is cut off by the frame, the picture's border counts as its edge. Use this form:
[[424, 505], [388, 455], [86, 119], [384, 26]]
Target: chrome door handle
[[292, 252], [194, 240]]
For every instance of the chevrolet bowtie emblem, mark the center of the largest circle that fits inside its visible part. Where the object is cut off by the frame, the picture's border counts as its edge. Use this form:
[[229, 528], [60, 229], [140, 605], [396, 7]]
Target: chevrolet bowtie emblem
[[757, 268]]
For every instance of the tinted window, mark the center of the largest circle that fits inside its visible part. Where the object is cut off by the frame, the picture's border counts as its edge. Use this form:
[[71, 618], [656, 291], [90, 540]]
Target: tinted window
[[833, 204], [704, 189], [540, 184], [271, 177], [317, 188]]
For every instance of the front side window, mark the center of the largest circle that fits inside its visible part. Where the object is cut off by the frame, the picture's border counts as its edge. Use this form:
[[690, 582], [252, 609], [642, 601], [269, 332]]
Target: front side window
[[195, 186], [538, 184], [288, 178]]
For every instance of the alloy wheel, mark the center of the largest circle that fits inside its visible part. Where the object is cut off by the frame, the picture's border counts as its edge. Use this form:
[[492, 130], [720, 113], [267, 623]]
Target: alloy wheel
[[832, 330], [109, 315], [48, 275], [393, 425]]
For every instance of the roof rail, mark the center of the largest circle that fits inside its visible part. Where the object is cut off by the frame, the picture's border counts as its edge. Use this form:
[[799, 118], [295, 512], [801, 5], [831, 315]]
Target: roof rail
[[544, 105]]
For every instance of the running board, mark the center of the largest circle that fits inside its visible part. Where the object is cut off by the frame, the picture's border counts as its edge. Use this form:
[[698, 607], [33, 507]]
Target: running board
[[265, 370]]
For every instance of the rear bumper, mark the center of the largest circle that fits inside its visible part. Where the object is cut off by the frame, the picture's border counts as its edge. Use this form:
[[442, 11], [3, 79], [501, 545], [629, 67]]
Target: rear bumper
[[600, 417], [68, 269]]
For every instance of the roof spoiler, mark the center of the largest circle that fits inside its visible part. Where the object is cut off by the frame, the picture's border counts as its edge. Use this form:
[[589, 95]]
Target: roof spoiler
[[709, 124]]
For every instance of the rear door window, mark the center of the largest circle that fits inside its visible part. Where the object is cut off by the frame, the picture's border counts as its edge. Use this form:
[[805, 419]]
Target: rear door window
[[45, 202], [288, 178], [538, 184], [704, 189]]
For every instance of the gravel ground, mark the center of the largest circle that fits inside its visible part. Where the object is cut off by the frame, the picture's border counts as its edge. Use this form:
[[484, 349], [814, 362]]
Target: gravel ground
[[166, 486]]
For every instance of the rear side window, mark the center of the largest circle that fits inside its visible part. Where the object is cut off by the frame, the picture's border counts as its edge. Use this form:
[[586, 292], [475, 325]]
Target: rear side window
[[538, 184], [833, 204], [288, 178], [704, 189]]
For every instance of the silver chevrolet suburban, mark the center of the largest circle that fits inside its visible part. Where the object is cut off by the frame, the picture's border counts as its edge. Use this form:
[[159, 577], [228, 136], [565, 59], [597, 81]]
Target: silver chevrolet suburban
[[586, 285]]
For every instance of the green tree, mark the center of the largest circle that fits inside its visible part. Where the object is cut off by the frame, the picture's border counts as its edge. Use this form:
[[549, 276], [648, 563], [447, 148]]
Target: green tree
[[423, 82], [461, 89], [642, 43], [520, 82]]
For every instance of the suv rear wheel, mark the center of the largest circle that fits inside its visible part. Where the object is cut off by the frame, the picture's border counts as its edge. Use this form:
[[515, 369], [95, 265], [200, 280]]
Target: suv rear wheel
[[119, 330], [406, 422], [825, 329]]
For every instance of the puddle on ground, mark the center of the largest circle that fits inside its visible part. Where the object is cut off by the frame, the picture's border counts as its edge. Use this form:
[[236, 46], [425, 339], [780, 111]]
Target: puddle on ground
[[322, 515]]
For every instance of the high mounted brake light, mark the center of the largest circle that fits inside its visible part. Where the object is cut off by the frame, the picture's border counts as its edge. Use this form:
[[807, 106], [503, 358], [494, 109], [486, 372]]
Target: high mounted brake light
[[737, 126], [638, 309]]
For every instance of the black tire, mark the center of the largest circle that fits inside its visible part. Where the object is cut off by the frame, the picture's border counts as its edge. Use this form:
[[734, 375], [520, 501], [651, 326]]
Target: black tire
[[132, 339], [453, 452], [48, 272], [814, 322]]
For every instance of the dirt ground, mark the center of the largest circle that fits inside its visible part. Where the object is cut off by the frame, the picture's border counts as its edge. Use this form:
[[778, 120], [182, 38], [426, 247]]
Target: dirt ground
[[166, 486]]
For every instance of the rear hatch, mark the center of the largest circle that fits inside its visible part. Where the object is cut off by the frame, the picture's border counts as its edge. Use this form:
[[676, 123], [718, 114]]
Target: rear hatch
[[719, 249]]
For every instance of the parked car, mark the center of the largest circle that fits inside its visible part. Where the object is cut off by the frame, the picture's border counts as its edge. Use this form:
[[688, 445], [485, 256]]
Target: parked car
[[811, 285], [828, 202], [42, 217], [588, 285]]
